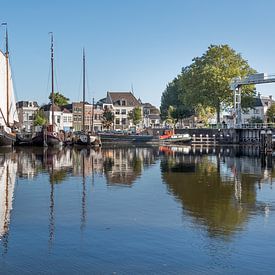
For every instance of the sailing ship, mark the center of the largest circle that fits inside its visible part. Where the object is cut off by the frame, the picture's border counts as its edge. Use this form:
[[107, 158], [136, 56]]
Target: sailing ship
[[8, 112], [85, 138], [49, 136]]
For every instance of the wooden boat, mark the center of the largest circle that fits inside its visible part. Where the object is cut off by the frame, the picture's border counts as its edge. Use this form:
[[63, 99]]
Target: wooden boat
[[48, 136], [8, 112], [85, 138]]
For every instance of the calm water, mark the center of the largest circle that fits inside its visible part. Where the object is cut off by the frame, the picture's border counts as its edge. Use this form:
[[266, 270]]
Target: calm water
[[136, 210]]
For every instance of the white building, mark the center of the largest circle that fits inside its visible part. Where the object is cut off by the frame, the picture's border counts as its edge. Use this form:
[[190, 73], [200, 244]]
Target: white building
[[63, 118], [26, 113], [122, 103]]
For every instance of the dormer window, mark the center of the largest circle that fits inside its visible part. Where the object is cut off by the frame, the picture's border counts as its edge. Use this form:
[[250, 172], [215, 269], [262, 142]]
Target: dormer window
[[123, 102]]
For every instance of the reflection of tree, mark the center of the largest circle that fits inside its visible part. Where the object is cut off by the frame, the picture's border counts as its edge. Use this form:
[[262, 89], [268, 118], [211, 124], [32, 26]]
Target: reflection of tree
[[207, 195], [58, 176]]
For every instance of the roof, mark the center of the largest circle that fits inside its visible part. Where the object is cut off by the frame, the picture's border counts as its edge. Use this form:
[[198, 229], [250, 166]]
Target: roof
[[48, 107], [116, 99], [21, 104], [257, 102]]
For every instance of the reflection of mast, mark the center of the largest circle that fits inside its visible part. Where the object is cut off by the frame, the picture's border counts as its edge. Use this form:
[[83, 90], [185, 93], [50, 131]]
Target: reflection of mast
[[6, 215], [83, 205], [51, 214]]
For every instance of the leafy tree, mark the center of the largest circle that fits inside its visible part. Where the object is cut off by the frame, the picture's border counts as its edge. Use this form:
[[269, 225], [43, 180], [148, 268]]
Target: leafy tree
[[207, 80], [135, 115], [170, 97], [107, 118], [59, 99], [40, 118], [271, 113]]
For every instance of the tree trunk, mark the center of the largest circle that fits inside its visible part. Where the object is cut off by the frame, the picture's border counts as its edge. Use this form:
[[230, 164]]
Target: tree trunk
[[218, 110]]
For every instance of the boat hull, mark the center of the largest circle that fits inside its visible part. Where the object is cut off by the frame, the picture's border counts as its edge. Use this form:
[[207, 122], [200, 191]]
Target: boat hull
[[50, 139], [7, 139], [121, 138]]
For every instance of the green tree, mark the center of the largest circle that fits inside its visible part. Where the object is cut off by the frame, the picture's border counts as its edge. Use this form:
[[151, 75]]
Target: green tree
[[171, 97], [107, 118], [271, 113], [207, 80], [135, 115], [40, 118], [59, 99]]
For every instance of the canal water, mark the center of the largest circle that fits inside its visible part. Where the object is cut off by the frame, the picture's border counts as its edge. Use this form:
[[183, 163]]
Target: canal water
[[134, 210]]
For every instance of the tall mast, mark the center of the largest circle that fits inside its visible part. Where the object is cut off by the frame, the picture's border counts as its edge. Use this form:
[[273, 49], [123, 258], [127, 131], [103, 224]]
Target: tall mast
[[7, 74], [52, 67], [83, 106]]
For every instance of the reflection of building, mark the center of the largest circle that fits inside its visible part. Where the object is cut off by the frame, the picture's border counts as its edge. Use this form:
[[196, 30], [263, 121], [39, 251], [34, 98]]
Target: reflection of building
[[125, 165], [26, 114], [8, 169]]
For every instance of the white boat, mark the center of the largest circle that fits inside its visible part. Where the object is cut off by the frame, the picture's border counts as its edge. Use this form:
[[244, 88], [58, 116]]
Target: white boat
[[8, 112]]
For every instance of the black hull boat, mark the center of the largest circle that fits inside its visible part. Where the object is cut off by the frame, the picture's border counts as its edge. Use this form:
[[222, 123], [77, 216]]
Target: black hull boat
[[7, 139], [124, 138], [46, 139]]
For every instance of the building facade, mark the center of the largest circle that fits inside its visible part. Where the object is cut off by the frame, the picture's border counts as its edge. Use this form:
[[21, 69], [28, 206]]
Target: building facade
[[63, 118], [93, 117], [26, 114], [121, 104], [151, 115]]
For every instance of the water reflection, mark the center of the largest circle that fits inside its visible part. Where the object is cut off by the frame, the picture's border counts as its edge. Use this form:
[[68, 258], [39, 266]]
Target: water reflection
[[8, 169], [217, 189]]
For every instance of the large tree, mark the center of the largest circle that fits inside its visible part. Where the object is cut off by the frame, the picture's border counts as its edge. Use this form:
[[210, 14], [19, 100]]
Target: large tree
[[40, 118], [59, 99], [171, 98], [207, 80]]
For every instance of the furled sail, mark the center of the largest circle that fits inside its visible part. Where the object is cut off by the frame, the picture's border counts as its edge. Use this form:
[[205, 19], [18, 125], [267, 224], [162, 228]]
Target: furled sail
[[13, 116]]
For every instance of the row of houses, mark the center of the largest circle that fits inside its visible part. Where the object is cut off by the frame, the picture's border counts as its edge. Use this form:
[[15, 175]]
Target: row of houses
[[70, 117]]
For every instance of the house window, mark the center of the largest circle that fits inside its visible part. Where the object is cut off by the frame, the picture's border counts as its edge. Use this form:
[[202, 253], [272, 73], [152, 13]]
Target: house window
[[64, 119], [58, 119], [123, 102], [123, 121], [117, 121], [117, 111], [75, 117], [256, 111], [123, 111]]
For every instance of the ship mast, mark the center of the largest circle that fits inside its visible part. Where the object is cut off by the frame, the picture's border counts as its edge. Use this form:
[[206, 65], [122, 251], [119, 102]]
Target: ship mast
[[52, 67], [83, 106], [7, 75]]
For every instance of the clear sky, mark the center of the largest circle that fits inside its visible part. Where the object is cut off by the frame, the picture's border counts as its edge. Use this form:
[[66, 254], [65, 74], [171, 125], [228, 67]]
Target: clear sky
[[139, 42]]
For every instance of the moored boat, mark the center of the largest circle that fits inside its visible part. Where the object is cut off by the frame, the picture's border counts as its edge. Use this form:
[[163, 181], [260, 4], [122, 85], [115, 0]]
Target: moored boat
[[8, 112], [124, 138], [170, 137]]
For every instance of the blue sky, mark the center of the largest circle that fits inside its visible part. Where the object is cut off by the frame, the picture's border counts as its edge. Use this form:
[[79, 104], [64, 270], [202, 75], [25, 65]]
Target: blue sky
[[139, 42]]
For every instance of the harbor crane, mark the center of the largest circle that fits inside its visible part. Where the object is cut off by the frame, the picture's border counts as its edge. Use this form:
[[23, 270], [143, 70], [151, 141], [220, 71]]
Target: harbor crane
[[236, 86]]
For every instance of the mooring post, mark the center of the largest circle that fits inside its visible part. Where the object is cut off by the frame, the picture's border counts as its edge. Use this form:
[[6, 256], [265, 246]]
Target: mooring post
[[263, 144]]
